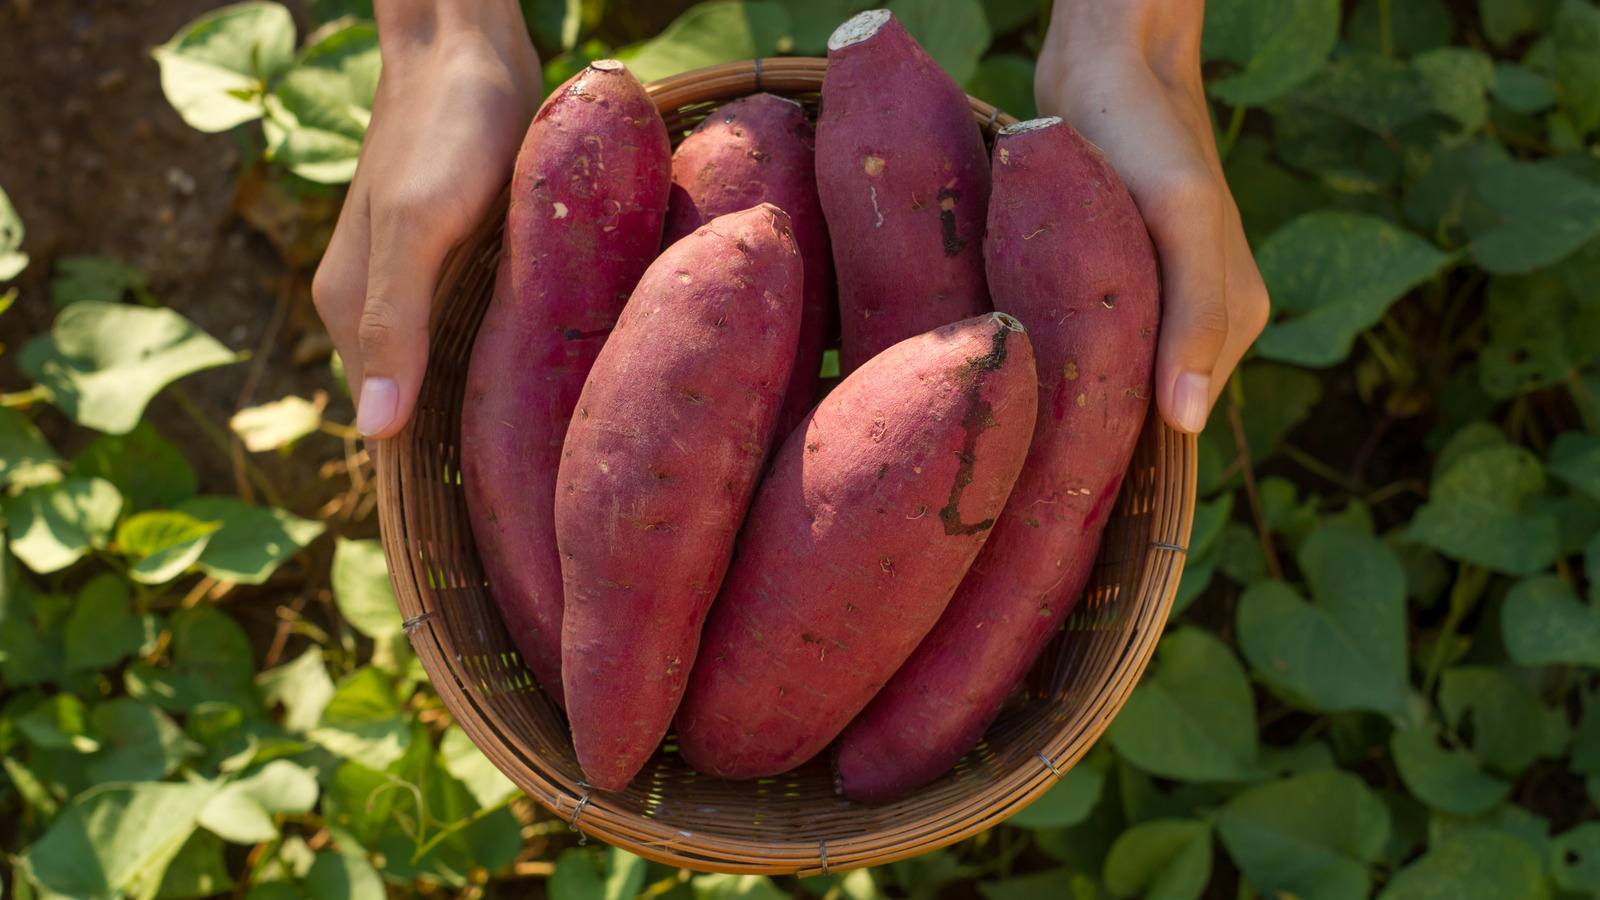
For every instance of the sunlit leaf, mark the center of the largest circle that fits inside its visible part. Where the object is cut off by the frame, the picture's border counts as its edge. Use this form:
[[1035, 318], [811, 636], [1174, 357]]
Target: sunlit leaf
[[215, 68], [54, 525], [163, 543], [318, 113], [116, 840], [708, 34], [954, 32], [253, 541], [144, 466], [12, 259], [279, 423]]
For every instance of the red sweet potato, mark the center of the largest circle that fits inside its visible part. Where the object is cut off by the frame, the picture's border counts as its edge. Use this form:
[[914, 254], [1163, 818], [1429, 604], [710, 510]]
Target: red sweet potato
[[871, 513], [657, 472], [588, 200], [904, 182], [1068, 254], [762, 149]]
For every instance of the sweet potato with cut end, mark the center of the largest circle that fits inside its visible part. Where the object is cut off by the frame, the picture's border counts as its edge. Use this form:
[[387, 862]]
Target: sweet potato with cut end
[[588, 200], [1068, 254], [904, 182], [871, 512], [657, 472], [762, 149]]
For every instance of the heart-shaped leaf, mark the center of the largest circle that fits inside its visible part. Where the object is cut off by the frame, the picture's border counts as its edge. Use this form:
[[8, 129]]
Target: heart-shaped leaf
[[216, 68], [279, 423], [95, 278], [1475, 512], [1167, 859], [1544, 213], [1313, 836], [302, 686], [1481, 865], [102, 362], [1508, 726], [363, 591], [144, 466], [1506, 20], [708, 34], [1067, 803], [1373, 91], [102, 630], [1347, 650], [23, 449], [211, 660], [1575, 34], [462, 758], [163, 543], [139, 742], [242, 811], [52, 526], [1542, 622], [1335, 274], [1446, 779], [363, 721], [1575, 859], [1539, 333], [253, 541], [1459, 80], [318, 113], [1278, 43], [1193, 717], [954, 32]]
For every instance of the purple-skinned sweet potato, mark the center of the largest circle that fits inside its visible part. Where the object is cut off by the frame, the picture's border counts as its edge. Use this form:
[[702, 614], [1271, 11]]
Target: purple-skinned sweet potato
[[868, 518], [588, 201], [657, 472], [1068, 254], [762, 149], [904, 182]]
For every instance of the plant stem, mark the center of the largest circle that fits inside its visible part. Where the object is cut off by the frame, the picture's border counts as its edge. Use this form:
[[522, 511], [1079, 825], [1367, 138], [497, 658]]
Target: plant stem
[[223, 442], [1464, 595], [1386, 28], [1235, 125], [1249, 472], [36, 394], [1320, 468], [1390, 364]]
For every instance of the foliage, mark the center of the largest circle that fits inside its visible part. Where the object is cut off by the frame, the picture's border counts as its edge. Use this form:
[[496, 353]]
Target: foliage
[[1381, 675]]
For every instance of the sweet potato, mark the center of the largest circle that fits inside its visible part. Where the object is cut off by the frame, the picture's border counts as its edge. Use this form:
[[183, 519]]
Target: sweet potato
[[762, 149], [1068, 254], [872, 511], [904, 182], [588, 200], [657, 472]]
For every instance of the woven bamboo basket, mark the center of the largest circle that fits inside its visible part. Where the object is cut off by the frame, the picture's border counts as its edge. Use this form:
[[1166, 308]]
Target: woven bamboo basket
[[794, 823]]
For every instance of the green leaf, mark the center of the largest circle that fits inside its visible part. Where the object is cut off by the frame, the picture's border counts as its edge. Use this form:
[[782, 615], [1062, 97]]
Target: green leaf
[[1522, 90], [1276, 400], [138, 743], [198, 870], [279, 423], [1067, 803], [116, 840], [1475, 512], [1372, 91], [1542, 622], [344, 874], [328, 10], [1061, 882], [96, 279], [1336, 274], [1168, 859], [1586, 744], [574, 877], [303, 687], [102, 630], [1482, 865], [1417, 26], [212, 660], [102, 362], [23, 450], [12, 259], [463, 759], [215, 68], [954, 32], [1539, 333], [1544, 213], [59, 723], [254, 540], [1575, 859], [708, 34], [1347, 651], [1005, 80], [1506, 719], [1313, 836], [1445, 779], [318, 114], [144, 466], [164, 544], [628, 874], [735, 887], [1576, 36], [1193, 716], [1278, 43], [31, 645], [812, 22], [364, 721], [1575, 459], [363, 591], [1506, 20], [1508, 818], [242, 811], [1459, 80], [1006, 16], [52, 526]]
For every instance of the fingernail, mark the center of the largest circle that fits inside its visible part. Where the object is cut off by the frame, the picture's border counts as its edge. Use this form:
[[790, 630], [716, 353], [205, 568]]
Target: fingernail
[[1189, 401], [380, 397]]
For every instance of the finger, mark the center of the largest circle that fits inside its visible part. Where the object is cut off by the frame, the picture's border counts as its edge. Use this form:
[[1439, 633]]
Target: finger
[[339, 287], [392, 335], [1248, 307], [1185, 213]]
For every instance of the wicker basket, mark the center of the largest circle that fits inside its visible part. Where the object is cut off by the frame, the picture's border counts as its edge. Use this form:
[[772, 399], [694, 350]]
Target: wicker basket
[[795, 823]]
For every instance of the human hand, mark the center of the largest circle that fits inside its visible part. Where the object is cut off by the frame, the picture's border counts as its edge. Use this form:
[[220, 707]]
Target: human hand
[[1126, 75], [460, 83]]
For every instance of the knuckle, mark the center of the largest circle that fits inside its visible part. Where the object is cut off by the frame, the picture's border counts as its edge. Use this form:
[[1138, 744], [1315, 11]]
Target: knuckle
[[1209, 320], [1191, 192], [379, 327]]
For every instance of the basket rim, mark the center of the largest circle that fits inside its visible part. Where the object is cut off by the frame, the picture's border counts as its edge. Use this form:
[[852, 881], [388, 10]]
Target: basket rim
[[590, 812]]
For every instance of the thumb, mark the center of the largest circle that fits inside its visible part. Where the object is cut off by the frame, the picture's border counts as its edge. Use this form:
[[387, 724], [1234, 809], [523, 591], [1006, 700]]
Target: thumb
[[393, 332], [1188, 231]]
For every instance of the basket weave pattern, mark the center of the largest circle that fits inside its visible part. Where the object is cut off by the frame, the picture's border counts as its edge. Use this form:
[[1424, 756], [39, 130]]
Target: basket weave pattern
[[794, 823]]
